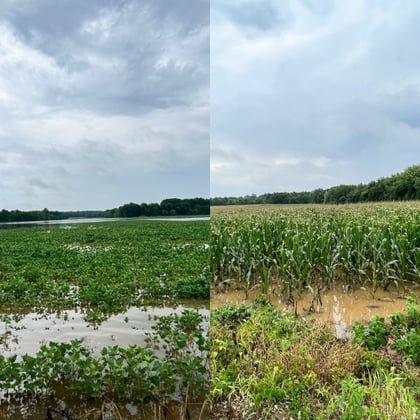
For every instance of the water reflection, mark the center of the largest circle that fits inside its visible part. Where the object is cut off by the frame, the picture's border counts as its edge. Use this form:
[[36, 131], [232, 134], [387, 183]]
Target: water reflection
[[62, 407], [339, 324], [25, 336], [76, 221]]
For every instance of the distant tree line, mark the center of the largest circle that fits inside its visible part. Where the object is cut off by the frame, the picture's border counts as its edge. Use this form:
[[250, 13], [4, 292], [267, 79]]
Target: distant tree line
[[60, 215], [24, 216], [401, 186], [168, 207]]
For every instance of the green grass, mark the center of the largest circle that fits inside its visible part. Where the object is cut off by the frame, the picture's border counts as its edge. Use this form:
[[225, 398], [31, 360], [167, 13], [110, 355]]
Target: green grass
[[268, 364]]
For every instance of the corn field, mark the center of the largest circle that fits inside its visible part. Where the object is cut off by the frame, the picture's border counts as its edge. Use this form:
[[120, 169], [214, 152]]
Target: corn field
[[303, 246]]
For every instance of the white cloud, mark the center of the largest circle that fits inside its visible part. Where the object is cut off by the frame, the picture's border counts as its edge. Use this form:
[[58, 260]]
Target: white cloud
[[320, 162], [26, 74], [96, 97]]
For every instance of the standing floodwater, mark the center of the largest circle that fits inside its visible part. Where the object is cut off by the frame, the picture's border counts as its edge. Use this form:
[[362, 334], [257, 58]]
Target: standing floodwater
[[339, 308]]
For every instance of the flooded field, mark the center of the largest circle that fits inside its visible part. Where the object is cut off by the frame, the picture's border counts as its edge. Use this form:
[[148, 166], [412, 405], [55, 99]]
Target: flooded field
[[25, 334], [338, 264], [314, 311], [104, 320], [62, 407], [79, 220]]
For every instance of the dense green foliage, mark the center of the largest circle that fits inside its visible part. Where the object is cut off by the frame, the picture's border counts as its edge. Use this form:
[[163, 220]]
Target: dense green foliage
[[303, 246], [269, 364], [373, 335], [103, 267], [402, 186], [23, 216], [168, 207]]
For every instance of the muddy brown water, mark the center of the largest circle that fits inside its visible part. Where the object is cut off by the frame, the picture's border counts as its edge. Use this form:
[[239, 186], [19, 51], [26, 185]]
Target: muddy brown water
[[340, 308], [26, 334]]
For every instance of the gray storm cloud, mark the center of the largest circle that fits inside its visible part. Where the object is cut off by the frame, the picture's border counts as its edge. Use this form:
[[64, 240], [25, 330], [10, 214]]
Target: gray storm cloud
[[99, 100], [312, 94]]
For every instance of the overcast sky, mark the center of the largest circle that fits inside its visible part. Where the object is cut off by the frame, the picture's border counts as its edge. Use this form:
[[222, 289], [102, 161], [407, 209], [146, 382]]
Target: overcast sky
[[103, 102], [312, 93]]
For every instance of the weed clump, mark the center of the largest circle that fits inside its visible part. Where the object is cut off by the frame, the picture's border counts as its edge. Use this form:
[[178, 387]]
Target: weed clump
[[402, 334]]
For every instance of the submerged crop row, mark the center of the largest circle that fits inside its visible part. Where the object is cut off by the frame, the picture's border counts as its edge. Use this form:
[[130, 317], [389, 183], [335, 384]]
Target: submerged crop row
[[133, 374], [371, 246]]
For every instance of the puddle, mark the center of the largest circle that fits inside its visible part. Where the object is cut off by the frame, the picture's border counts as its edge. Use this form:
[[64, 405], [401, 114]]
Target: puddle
[[128, 328], [339, 310]]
